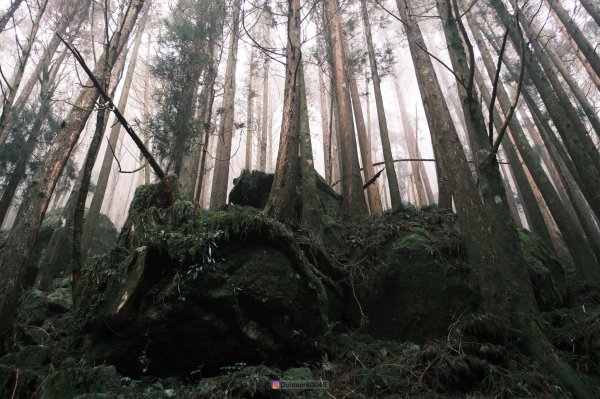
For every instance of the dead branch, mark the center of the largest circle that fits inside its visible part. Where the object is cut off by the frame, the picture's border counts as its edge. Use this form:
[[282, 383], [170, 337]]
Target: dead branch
[[513, 106], [111, 105], [495, 88]]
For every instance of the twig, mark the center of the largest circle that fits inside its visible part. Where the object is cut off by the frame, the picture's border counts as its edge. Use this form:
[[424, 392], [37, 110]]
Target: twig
[[111, 105], [119, 163]]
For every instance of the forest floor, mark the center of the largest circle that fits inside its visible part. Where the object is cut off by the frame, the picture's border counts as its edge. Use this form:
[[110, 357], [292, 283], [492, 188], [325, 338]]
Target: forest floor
[[400, 316]]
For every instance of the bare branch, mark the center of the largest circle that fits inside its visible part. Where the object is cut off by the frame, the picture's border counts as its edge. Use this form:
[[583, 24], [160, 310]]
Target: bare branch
[[495, 88], [155, 166], [513, 106]]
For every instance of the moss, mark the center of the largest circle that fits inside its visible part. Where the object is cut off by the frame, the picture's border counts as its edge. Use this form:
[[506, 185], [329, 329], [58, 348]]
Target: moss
[[32, 357], [61, 299], [32, 309], [413, 243]]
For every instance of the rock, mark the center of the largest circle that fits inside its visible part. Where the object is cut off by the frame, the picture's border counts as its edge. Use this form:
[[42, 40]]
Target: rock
[[60, 300], [32, 310], [191, 288], [32, 357], [253, 189], [415, 296]]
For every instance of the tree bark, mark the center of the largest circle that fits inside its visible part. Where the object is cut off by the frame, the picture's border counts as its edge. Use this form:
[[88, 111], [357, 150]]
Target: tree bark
[[250, 113], [20, 69], [411, 145], [365, 146], [325, 130], [592, 7], [381, 119], [570, 128], [107, 160], [35, 200], [582, 99], [283, 192], [492, 246], [14, 6], [352, 192], [582, 47], [221, 173], [73, 18]]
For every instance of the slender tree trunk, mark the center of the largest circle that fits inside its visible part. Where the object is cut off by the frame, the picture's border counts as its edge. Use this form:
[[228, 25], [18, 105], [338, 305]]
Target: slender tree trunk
[[422, 171], [582, 47], [20, 68], [593, 8], [35, 200], [107, 160], [510, 198], [365, 146], [326, 131], [14, 6], [383, 128], [47, 89], [411, 144], [73, 18], [250, 112], [283, 191], [582, 99], [310, 196], [492, 250], [352, 192], [221, 173], [573, 134]]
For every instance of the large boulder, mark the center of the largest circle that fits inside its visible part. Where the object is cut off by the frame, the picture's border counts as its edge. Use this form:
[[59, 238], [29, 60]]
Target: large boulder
[[188, 289], [253, 189]]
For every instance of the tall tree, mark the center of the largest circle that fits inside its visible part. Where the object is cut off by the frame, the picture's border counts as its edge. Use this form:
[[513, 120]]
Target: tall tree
[[283, 191], [365, 146], [582, 47], [381, 119], [221, 173], [9, 13], [71, 18], [37, 196], [107, 159], [593, 8], [574, 135], [352, 191], [250, 112]]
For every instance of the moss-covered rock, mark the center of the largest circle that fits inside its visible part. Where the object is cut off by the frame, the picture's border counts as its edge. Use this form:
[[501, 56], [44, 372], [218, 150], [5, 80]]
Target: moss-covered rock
[[253, 295], [32, 357]]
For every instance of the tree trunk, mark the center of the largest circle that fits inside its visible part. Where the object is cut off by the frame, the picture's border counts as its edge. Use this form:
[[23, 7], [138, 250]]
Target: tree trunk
[[593, 8], [352, 192], [283, 192], [582, 47], [20, 69], [310, 196], [14, 6], [492, 245], [107, 160], [325, 130], [35, 200], [573, 134], [365, 146], [383, 128], [73, 18], [221, 173], [250, 113], [582, 99], [411, 144], [47, 89]]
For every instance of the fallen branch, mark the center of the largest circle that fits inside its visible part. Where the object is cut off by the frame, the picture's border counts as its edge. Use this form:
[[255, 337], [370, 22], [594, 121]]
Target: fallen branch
[[372, 179], [111, 105]]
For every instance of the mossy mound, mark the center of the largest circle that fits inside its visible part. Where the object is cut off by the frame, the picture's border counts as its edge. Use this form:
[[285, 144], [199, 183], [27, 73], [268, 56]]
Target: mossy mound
[[104, 240], [253, 295]]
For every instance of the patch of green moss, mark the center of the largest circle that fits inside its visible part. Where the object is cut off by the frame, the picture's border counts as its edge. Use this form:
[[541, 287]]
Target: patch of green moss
[[413, 243], [60, 299]]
